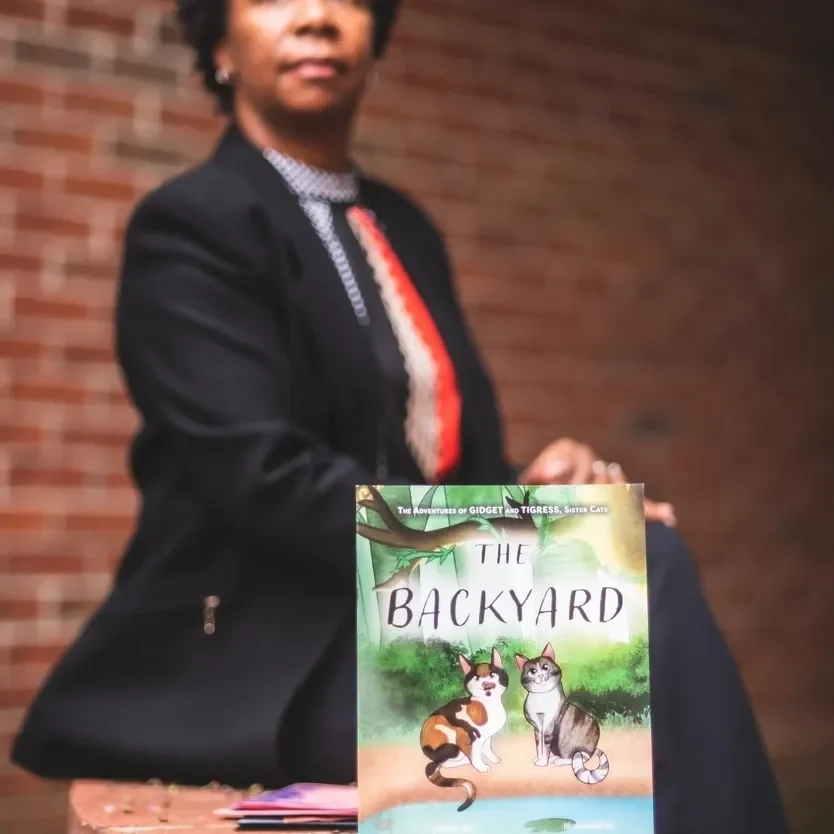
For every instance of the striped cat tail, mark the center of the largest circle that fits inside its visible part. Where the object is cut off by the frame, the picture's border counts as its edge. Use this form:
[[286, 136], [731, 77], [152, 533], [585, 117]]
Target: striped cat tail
[[590, 777], [433, 774]]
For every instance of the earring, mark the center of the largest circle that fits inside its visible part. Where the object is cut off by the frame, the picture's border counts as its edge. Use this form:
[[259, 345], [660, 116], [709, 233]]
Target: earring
[[222, 76]]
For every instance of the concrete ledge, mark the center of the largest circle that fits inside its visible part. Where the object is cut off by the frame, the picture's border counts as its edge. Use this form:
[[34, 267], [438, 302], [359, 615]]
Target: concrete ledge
[[124, 808]]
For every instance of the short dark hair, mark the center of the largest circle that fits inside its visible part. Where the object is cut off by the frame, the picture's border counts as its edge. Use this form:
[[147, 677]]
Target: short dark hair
[[203, 25]]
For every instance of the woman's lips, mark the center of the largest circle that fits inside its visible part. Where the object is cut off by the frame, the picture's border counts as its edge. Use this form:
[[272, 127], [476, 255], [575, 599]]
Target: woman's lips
[[315, 68]]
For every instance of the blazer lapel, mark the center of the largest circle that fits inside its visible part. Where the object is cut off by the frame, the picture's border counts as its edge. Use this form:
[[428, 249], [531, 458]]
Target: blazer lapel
[[313, 281], [294, 240]]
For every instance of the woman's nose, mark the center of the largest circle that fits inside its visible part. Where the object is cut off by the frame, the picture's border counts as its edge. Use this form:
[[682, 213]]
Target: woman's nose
[[312, 9], [314, 17]]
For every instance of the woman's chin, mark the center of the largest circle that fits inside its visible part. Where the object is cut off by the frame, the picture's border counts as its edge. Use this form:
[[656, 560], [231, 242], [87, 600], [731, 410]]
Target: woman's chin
[[316, 101]]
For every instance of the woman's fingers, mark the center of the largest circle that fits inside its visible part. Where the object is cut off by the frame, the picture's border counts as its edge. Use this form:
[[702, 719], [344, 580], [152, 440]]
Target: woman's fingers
[[616, 474], [656, 511], [567, 461], [582, 471]]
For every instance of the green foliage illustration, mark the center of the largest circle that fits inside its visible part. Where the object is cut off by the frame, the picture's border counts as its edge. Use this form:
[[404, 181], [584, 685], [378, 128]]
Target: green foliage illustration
[[404, 681], [550, 825]]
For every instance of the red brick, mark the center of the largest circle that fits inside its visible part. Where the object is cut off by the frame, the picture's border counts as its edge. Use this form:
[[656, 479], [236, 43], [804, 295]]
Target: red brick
[[80, 267], [16, 90], [120, 479], [47, 391], [19, 260], [18, 349], [54, 139], [99, 100], [20, 476], [20, 434], [132, 150], [17, 609], [96, 523], [35, 654], [103, 187], [180, 115], [16, 177], [98, 20], [46, 563], [50, 307], [14, 699], [98, 437], [27, 10], [65, 55], [45, 222], [149, 70], [89, 354]]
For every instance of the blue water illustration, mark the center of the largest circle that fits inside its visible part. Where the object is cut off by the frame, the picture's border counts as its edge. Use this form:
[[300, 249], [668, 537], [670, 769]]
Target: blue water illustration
[[519, 815]]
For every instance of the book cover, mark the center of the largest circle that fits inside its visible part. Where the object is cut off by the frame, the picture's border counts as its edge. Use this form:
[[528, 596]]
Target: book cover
[[503, 660]]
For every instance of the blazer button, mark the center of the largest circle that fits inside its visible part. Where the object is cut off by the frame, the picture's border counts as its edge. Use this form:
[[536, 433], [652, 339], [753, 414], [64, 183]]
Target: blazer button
[[210, 606]]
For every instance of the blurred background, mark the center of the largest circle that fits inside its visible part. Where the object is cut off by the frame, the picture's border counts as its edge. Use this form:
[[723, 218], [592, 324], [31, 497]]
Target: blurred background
[[639, 199]]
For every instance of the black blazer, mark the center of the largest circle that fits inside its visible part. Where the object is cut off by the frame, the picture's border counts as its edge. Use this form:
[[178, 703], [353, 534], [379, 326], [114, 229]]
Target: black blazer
[[260, 411]]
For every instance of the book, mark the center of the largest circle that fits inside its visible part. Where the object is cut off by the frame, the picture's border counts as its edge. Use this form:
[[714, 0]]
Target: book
[[503, 659], [302, 806], [306, 827], [304, 797]]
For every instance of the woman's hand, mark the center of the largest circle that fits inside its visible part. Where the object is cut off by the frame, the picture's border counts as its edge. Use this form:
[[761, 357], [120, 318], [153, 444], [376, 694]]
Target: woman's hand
[[567, 461]]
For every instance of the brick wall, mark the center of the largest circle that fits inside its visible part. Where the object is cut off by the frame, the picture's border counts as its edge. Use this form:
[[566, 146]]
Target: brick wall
[[640, 200]]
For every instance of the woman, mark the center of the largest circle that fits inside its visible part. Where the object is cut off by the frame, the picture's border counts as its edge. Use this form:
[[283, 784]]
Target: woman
[[288, 328]]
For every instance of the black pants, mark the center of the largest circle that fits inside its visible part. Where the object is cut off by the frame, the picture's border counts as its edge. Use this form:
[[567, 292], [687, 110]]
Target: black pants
[[711, 772], [318, 739]]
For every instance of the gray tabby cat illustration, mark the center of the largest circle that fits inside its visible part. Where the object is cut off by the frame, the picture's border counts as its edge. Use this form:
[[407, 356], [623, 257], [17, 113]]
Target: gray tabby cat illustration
[[565, 734]]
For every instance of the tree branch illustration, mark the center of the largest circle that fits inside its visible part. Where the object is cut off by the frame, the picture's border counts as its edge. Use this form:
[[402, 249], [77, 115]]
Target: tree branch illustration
[[437, 541]]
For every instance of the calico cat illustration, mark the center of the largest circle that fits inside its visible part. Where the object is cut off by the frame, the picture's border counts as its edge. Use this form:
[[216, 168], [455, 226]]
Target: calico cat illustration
[[565, 734], [461, 731]]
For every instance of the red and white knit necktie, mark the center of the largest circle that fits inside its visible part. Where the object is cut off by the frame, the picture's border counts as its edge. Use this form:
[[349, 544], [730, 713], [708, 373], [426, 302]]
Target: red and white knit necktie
[[433, 412]]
